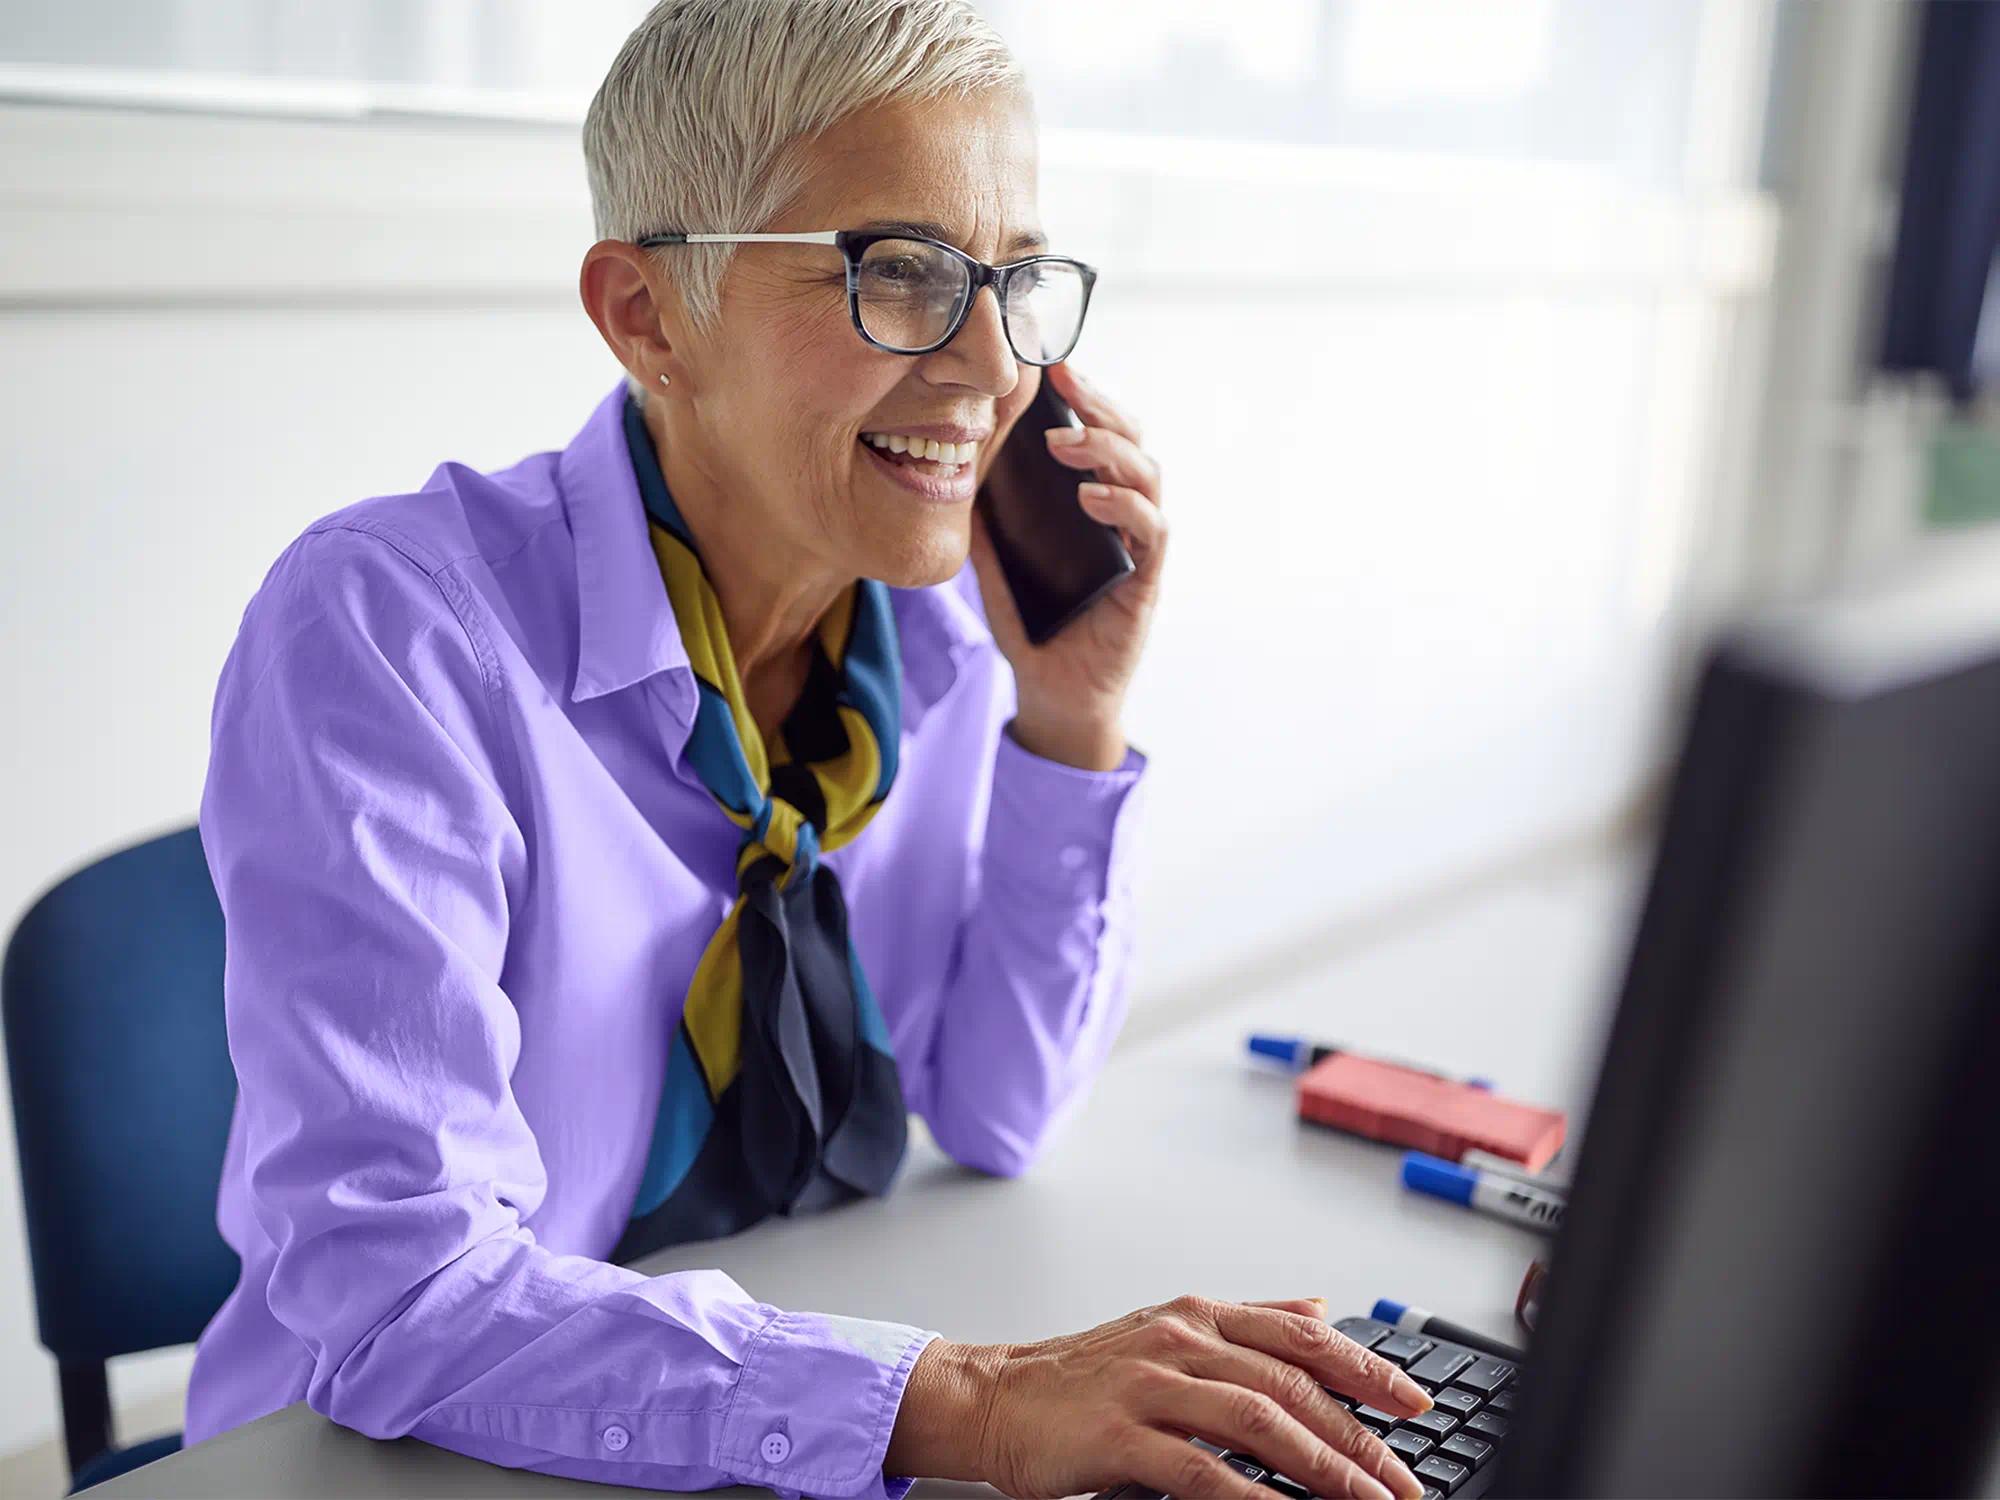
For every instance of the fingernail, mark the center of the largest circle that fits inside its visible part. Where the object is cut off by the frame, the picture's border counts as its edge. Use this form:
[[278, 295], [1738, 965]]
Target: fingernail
[[1410, 1393], [1091, 491], [1411, 1487], [1062, 437], [1372, 1489]]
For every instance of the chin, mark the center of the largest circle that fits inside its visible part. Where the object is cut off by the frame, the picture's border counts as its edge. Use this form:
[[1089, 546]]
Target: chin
[[925, 556]]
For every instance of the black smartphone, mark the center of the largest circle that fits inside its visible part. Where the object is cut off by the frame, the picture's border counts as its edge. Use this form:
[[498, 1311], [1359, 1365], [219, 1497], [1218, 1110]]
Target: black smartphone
[[1056, 558]]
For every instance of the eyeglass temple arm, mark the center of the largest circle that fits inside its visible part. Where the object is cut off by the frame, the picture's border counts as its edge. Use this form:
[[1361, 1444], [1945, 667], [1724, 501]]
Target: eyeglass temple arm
[[818, 237]]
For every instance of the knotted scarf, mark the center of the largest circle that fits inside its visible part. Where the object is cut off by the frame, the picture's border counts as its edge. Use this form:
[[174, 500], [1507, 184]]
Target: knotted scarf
[[781, 1093]]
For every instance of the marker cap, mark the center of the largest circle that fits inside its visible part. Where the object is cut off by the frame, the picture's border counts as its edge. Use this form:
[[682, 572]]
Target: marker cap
[[1439, 1178], [1285, 1049]]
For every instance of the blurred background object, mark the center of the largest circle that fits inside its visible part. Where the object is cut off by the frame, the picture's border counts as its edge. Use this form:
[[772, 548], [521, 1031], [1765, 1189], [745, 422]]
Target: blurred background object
[[1495, 351]]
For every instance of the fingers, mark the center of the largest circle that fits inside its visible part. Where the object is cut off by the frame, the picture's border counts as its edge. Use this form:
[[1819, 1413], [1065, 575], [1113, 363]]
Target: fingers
[[1174, 1466], [1096, 408], [1110, 441], [1244, 1418], [1117, 459], [1132, 513], [1301, 1395], [1313, 1346], [1312, 1307]]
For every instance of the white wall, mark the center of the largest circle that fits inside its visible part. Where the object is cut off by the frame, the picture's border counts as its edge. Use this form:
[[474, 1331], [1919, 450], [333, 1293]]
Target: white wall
[[1436, 440]]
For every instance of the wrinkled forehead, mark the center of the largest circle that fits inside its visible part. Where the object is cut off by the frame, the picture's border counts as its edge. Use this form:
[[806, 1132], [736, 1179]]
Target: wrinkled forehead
[[960, 170]]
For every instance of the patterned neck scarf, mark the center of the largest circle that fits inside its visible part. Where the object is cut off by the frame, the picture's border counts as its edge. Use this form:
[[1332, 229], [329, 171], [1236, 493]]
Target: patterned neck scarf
[[781, 1094]]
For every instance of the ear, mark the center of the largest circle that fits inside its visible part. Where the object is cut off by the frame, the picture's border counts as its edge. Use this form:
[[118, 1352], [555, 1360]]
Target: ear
[[635, 309]]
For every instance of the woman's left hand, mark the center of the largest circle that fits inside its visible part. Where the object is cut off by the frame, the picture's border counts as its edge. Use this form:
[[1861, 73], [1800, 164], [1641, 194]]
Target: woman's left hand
[[1071, 688]]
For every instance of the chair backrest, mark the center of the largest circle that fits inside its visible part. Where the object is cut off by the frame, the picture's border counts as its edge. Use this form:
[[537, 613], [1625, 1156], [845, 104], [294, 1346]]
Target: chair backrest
[[112, 993]]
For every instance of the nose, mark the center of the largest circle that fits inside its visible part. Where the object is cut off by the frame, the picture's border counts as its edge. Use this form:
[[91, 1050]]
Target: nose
[[979, 354]]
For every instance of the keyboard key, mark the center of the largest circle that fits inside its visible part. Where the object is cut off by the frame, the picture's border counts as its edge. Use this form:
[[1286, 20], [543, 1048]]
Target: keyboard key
[[1409, 1446], [1401, 1348], [1486, 1375], [1443, 1473], [1440, 1365], [1364, 1331], [1470, 1451], [1487, 1424], [1431, 1492], [1207, 1447], [1502, 1403], [1376, 1418], [1457, 1400], [1435, 1424], [1291, 1489], [1248, 1468]]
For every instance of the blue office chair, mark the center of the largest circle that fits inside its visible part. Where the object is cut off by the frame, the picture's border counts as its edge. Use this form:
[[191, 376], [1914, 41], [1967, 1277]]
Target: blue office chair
[[112, 994]]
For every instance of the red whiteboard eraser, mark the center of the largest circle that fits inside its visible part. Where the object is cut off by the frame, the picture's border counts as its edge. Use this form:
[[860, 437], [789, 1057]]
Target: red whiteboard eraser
[[1445, 1118]]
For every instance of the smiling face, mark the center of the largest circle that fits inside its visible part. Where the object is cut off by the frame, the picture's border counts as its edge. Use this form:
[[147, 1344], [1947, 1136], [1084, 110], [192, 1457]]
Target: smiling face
[[783, 389]]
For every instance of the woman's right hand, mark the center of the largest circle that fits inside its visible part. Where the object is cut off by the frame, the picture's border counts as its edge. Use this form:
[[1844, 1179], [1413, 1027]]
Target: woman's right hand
[[1072, 1415]]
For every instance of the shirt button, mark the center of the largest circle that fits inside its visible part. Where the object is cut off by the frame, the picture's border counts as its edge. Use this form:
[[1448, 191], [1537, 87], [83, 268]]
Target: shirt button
[[616, 1438], [776, 1447], [1073, 856]]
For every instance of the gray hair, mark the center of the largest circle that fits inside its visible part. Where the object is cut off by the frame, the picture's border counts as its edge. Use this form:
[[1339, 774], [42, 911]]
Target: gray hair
[[696, 125]]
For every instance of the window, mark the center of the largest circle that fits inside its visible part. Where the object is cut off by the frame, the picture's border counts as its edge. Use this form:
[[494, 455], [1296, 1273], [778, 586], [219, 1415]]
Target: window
[[1548, 80]]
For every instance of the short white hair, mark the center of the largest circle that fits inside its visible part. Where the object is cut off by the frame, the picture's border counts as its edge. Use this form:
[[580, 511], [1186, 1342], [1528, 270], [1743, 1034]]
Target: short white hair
[[696, 125]]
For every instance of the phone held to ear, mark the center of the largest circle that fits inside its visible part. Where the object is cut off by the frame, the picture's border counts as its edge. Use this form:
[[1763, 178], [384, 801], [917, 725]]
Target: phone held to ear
[[1056, 558]]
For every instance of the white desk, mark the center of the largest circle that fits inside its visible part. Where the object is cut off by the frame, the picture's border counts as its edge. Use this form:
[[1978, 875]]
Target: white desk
[[1180, 1131]]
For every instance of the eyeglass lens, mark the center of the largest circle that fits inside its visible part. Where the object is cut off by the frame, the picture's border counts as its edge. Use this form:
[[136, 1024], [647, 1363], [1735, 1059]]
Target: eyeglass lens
[[911, 292]]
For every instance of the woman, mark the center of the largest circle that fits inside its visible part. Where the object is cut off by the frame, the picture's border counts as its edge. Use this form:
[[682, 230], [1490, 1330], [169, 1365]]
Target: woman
[[537, 804]]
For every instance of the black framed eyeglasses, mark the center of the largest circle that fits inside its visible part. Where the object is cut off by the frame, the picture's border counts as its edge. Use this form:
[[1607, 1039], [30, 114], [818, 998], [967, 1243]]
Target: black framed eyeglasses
[[910, 295]]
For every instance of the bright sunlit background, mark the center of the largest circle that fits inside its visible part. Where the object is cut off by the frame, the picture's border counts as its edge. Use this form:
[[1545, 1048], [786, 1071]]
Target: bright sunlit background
[[1492, 349]]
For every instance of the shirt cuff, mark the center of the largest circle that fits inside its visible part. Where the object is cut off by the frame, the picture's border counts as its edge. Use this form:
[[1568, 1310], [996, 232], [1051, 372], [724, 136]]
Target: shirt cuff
[[1059, 833], [815, 1403]]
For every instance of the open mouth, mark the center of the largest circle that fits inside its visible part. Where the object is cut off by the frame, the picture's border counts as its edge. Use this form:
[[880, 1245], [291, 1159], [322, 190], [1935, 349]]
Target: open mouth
[[930, 458], [930, 479]]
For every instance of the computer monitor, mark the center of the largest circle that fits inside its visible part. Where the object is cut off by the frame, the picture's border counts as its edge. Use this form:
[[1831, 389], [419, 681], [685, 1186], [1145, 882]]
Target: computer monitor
[[1780, 1271]]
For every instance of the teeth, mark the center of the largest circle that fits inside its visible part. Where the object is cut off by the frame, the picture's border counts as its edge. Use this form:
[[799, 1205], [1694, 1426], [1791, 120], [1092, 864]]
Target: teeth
[[925, 448]]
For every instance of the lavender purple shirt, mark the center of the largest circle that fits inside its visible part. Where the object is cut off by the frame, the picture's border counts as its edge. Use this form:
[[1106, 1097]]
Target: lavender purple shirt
[[467, 874]]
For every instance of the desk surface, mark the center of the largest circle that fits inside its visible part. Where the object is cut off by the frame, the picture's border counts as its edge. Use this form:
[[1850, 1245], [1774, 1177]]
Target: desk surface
[[1185, 1172]]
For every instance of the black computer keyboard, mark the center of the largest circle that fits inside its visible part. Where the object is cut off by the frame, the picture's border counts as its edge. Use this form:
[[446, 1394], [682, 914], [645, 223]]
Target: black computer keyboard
[[1450, 1448]]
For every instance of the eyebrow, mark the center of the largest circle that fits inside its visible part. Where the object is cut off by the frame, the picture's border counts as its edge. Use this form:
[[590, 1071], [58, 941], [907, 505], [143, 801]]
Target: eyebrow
[[1028, 239]]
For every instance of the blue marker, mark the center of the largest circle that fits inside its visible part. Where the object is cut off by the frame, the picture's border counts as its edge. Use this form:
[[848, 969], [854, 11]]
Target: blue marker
[[1406, 1319], [1536, 1205], [1298, 1054]]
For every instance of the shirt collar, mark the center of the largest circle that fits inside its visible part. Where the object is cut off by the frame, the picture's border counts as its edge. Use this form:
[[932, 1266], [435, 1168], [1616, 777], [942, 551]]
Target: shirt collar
[[625, 625], [626, 630]]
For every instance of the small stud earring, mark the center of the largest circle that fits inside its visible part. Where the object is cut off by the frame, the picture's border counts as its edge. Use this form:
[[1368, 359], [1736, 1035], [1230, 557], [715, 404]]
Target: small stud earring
[[665, 379]]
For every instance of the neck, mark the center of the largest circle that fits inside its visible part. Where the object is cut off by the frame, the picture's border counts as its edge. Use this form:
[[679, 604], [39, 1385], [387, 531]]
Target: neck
[[773, 594]]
